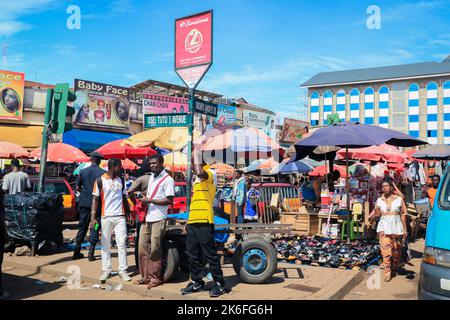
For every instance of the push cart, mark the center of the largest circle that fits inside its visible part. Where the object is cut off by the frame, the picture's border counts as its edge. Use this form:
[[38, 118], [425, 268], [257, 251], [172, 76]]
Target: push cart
[[255, 257]]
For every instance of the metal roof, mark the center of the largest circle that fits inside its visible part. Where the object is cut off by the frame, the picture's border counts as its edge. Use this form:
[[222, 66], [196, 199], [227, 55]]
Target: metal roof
[[424, 69]]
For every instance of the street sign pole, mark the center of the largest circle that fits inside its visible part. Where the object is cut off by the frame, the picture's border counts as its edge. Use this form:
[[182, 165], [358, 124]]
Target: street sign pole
[[190, 145], [45, 134]]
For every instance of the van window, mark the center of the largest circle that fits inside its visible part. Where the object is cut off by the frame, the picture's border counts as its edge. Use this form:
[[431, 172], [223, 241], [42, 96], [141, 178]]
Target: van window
[[444, 196], [53, 187]]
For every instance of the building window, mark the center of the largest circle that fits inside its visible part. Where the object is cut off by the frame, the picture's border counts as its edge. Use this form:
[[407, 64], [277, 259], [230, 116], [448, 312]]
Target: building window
[[368, 106], [340, 105], [383, 107], [446, 111], [327, 105], [432, 112], [413, 110], [314, 114], [354, 105]]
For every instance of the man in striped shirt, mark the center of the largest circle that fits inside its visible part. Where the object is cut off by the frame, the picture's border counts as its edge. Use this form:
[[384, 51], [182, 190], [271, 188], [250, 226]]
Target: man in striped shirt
[[110, 190]]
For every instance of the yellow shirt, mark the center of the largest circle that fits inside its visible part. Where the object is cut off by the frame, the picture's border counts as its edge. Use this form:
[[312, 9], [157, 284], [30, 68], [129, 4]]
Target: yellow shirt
[[201, 209]]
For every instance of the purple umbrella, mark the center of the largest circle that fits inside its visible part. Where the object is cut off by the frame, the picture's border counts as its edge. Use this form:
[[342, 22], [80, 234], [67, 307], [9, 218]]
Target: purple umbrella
[[352, 135]]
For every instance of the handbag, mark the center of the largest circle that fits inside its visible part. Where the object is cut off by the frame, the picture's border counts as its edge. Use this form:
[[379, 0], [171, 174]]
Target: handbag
[[141, 209]]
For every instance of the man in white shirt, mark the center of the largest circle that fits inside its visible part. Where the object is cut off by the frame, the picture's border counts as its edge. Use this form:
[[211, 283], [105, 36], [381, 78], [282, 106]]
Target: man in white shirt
[[16, 181], [110, 190], [159, 193]]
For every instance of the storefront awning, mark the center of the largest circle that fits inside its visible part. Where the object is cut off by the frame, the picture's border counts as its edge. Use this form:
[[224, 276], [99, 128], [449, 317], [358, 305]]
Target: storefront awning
[[89, 141], [29, 137]]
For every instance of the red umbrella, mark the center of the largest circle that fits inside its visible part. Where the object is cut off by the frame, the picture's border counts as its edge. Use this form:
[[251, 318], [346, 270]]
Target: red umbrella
[[382, 152], [11, 150], [322, 170], [118, 149], [62, 153]]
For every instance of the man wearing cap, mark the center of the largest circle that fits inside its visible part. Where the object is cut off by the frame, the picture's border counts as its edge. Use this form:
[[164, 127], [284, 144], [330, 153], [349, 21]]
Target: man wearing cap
[[85, 185], [16, 181]]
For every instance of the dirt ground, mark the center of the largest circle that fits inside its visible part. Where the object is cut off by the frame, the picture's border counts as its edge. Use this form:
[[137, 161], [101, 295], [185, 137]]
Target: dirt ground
[[402, 287], [21, 285]]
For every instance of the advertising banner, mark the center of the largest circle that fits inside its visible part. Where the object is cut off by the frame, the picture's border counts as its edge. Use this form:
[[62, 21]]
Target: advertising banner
[[101, 105], [12, 88], [158, 103], [226, 115], [293, 130], [193, 47], [260, 120]]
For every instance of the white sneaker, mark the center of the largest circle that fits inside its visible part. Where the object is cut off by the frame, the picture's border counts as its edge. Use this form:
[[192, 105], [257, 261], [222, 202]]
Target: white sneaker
[[125, 277], [105, 276]]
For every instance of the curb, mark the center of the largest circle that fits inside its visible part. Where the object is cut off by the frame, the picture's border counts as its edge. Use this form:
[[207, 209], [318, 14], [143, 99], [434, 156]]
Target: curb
[[340, 287], [141, 290]]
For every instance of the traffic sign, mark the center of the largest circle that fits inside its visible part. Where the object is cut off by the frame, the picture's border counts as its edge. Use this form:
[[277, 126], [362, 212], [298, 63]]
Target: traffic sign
[[165, 120], [205, 107]]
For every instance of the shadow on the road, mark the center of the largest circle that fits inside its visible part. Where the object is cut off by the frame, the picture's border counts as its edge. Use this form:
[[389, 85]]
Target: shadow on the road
[[23, 287], [416, 254]]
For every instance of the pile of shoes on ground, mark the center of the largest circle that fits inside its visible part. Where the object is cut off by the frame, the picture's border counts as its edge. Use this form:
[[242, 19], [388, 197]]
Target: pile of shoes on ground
[[326, 252]]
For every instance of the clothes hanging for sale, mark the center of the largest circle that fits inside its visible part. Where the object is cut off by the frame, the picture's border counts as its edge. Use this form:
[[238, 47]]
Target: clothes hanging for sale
[[423, 178], [438, 169]]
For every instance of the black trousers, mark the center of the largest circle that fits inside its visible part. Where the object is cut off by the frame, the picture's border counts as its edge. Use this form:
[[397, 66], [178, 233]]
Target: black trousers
[[83, 226], [2, 247], [199, 244]]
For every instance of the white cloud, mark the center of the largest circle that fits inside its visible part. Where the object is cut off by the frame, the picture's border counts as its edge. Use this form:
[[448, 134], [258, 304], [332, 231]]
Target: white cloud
[[11, 11], [64, 49], [163, 57], [411, 10]]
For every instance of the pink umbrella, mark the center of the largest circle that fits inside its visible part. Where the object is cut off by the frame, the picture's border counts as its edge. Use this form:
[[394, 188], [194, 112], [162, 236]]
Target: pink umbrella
[[119, 149], [382, 152], [62, 153], [322, 170], [11, 150]]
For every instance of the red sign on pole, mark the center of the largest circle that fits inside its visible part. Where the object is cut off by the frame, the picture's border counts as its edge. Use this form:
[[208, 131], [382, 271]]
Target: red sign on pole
[[193, 47]]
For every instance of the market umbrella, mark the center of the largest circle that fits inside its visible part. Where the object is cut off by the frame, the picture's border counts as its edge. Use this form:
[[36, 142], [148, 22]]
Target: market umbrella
[[222, 168], [286, 167], [173, 139], [61, 153], [11, 150], [118, 149], [384, 152], [175, 161], [127, 164], [352, 135], [323, 170], [254, 165], [434, 152]]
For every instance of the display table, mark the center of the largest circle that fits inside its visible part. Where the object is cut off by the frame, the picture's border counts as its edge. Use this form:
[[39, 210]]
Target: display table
[[304, 223]]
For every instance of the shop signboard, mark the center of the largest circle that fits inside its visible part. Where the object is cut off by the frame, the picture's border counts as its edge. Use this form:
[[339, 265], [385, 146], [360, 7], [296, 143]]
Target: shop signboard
[[260, 120], [159, 103], [293, 130], [205, 107], [165, 120], [193, 47], [226, 115], [12, 88], [101, 105]]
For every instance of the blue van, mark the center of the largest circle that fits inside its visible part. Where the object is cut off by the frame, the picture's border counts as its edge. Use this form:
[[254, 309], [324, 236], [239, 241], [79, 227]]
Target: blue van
[[434, 281]]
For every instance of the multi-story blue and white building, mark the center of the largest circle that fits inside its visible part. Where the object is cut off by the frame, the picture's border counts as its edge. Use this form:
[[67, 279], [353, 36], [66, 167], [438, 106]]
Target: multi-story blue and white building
[[412, 98]]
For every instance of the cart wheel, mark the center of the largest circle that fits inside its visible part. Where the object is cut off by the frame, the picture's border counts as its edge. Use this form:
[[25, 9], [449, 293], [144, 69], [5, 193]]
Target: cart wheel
[[255, 261], [171, 263]]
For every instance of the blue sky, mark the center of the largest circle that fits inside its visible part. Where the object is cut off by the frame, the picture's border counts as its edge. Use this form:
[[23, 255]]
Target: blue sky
[[263, 50]]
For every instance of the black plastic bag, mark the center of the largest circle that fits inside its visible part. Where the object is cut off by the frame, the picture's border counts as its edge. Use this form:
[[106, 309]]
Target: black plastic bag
[[32, 218]]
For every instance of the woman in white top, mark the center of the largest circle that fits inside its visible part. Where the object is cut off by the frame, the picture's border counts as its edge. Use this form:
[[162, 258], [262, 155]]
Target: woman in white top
[[391, 211]]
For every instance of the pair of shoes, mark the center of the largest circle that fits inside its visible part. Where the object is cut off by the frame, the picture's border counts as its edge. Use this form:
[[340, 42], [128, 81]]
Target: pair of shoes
[[77, 255], [217, 290], [142, 282], [124, 276], [4, 295], [193, 287], [105, 276], [153, 285]]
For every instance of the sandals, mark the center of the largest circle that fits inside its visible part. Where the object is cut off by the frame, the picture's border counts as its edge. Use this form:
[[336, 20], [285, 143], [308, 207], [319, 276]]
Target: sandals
[[142, 282]]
